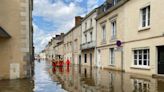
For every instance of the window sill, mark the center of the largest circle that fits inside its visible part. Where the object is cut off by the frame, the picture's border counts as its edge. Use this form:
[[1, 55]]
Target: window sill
[[144, 28], [113, 39], [140, 67], [103, 42]]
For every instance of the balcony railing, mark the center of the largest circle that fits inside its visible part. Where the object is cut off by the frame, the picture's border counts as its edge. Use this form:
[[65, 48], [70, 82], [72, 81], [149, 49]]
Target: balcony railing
[[88, 45]]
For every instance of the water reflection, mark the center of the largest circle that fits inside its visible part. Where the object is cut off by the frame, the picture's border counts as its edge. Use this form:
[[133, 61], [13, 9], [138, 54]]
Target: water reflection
[[23, 85], [43, 80], [86, 79], [81, 79]]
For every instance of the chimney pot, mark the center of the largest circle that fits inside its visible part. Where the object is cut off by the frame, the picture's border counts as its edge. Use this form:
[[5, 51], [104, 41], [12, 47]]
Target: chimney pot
[[78, 20]]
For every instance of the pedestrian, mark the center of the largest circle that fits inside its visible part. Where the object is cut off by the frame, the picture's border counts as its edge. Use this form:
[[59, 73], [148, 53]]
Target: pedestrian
[[68, 62]]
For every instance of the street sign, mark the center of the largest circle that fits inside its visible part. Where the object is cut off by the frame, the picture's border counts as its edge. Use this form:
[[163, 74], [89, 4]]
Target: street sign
[[118, 43]]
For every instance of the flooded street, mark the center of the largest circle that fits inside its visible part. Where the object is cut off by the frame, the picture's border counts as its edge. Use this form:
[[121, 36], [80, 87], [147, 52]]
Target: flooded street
[[81, 79], [42, 79]]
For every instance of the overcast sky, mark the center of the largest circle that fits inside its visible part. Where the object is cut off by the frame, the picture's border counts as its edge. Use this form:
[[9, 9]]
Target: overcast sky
[[52, 17]]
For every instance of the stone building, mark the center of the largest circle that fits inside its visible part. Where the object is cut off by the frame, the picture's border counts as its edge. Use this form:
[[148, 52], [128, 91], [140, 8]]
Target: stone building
[[16, 39], [110, 21], [72, 41], [88, 39], [51, 49], [131, 36]]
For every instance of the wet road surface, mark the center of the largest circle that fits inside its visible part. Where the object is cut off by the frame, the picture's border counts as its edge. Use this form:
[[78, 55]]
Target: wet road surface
[[81, 79], [42, 79]]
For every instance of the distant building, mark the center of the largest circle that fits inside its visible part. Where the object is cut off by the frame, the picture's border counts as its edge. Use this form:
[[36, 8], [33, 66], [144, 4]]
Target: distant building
[[51, 51], [16, 39], [42, 55], [124, 35], [72, 41]]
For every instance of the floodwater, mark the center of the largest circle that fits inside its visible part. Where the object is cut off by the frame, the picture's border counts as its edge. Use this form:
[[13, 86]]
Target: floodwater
[[81, 79]]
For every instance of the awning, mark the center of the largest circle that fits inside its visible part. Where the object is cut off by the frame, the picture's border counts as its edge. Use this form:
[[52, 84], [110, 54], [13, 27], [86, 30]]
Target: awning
[[3, 33]]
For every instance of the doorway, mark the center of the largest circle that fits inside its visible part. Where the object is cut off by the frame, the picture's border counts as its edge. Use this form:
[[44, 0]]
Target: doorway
[[160, 60]]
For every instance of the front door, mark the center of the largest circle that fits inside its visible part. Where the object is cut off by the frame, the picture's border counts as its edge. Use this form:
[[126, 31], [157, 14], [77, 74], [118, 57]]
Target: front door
[[161, 60]]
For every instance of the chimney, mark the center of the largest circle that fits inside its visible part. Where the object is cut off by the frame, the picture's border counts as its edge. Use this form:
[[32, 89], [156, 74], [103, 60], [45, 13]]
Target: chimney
[[78, 20]]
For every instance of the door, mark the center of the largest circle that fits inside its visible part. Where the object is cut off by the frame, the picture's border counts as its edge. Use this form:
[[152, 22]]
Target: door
[[91, 59], [14, 71], [161, 60]]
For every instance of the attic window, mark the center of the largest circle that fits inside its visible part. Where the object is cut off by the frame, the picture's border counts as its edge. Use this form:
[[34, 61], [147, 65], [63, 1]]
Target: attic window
[[114, 2], [104, 9]]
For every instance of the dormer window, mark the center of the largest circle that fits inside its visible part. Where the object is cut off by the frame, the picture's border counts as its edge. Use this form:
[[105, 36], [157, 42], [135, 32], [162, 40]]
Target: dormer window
[[104, 9], [114, 2]]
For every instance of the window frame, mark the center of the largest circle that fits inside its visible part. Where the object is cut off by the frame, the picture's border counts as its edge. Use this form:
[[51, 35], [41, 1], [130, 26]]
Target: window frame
[[114, 2], [147, 17], [140, 56], [85, 35], [103, 27], [113, 29], [86, 25], [91, 22], [91, 35]]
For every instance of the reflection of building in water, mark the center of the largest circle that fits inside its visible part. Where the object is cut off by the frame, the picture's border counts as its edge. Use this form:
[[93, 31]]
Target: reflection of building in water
[[141, 85], [135, 83], [97, 80], [111, 80]]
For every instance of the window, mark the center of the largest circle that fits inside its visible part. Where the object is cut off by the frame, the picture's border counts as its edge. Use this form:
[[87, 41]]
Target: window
[[141, 57], [104, 9], [145, 16], [71, 46], [111, 56], [75, 45], [114, 2], [103, 33], [64, 47], [85, 25], [91, 23], [86, 38], [113, 24], [90, 36], [85, 58], [67, 46]]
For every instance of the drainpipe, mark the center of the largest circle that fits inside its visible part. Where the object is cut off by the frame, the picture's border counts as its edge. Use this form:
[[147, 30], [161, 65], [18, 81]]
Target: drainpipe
[[122, 59], [96, 44]]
